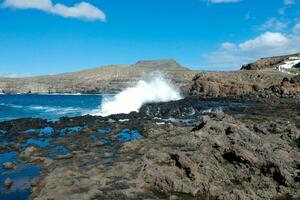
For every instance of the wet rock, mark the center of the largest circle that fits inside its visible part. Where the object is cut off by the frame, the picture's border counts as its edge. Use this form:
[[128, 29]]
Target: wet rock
[[177, 109], [8, 183], [9, 165], [34, 183], [20, 125], [65, 156], [29, 152], [100, 143], [46, 162]]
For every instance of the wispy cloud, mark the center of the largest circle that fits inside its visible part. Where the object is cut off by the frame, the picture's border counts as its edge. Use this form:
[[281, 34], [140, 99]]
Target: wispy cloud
[[273, 24], [289, 2], [222, 1], [233, 55], [81, 10]]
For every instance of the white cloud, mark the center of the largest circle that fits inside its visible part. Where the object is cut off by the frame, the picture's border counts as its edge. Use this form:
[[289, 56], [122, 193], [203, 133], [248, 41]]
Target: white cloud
[[267, 41], [273, 24], [222, 1], [288, 2], [27, 4], [233, 55], [82, 10]]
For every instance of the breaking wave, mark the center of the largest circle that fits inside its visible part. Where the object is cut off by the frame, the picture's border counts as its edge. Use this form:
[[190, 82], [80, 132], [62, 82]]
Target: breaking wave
[[157, 89]]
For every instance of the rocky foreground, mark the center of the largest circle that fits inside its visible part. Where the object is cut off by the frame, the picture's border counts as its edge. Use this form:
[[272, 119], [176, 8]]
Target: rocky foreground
[[174, 150]]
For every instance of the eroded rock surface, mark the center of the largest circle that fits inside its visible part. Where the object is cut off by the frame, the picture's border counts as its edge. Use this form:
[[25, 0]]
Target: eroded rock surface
[[216, 156], [216, 87]]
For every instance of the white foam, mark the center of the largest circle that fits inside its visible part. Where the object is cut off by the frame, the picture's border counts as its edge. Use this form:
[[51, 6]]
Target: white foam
[[213, 110], [157, 89]]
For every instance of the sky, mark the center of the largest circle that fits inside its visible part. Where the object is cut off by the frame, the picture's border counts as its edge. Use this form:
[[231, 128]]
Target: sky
[[40, 37]]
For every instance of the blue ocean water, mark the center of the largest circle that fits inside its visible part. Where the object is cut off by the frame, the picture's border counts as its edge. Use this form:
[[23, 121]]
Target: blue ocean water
[[50, 107]]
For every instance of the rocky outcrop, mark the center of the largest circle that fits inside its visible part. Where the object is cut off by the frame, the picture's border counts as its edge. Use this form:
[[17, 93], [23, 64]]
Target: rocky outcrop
[[212, 87], [269, 62], [223, 87], [234, 83], [223, 159], [287, 88]]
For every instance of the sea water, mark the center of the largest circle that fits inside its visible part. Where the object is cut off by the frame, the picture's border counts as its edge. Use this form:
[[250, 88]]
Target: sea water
[[50, 107]]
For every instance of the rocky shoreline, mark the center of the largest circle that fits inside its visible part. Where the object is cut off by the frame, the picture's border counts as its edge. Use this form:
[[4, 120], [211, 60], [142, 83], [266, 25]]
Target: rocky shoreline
[[173, 150], [236, 135]]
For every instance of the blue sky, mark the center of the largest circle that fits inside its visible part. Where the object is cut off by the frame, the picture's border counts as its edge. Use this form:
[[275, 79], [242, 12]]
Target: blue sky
[[48, 37]]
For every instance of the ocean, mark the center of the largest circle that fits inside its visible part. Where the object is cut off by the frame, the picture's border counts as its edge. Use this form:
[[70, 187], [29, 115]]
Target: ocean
[[50, 107]]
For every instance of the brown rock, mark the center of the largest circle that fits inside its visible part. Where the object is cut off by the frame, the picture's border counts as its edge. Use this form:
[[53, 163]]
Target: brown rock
[[8, 183], [9, 165]]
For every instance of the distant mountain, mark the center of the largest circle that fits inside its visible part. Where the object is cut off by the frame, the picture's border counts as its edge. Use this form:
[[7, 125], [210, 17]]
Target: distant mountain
[[159, 64], [106, 79]]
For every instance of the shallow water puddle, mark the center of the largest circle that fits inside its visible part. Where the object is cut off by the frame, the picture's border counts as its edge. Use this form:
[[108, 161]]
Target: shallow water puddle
[[104, 131], [96, 136], [127, 135], [41, 143], [22, 176], [72, 130], [46, 132], [30, 131], [6, 143], [106, 141]]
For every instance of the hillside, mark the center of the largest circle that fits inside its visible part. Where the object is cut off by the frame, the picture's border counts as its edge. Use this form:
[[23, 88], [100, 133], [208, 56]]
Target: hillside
[[106, 79], [269, 62], [114, 78]]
